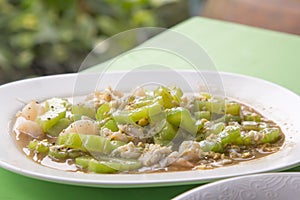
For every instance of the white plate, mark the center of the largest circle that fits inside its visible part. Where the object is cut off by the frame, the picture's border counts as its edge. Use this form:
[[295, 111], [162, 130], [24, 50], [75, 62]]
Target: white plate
[[271, 186], [271, 100]]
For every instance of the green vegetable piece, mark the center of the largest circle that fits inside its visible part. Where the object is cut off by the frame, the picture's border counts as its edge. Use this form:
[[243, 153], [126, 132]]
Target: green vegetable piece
[[71, 140], [107, 165], [88, 143], [122, 117], [111, 125], [229, 135], [246, 138], [206, 95], [231, 118], [83, 162], [103, 112], [76, 117], [58, 127], [100, 167], [56, 153], [270, 135], [200, 125], [150, 112], [55, 110], [217, 128], [39, 146], [211, 145], [250, 125], [168, 132], [139, 113], [181, 117], [232, 108], [93, 165], [147, 101], [213, 105], [96, 143], [252, 117], [202, 115], [170, 98], [120, 164], [83, 110]]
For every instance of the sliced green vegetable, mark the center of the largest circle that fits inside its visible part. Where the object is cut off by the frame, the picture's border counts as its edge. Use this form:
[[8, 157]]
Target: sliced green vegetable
[[270, 135], [55, 110], [233, 108], [230, 135], [83, 110], [202, 115], [252, 117], [107, 164], [88, 143], [103, 112], [111, 125], [181, 117], [171, 98], [39, 146], [58, 127]]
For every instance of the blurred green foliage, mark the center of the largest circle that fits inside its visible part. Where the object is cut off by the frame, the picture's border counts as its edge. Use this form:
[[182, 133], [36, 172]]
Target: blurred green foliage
[[54, 36]]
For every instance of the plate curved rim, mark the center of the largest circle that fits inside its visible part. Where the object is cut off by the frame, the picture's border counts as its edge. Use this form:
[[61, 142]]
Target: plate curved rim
[[34, 170], [285, 181]]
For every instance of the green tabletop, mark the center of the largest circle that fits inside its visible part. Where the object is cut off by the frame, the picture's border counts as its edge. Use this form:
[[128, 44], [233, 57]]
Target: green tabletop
[[270, 55]]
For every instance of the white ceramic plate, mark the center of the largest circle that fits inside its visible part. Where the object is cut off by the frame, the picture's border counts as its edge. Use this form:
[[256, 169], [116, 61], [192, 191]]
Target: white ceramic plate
[[271, 100], [271, 186]]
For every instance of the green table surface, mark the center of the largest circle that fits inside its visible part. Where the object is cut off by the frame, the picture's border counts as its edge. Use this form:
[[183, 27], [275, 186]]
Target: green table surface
[[235, 48]]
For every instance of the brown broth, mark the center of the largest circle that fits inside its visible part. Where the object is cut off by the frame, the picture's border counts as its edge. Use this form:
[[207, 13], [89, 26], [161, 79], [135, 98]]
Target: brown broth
[[257, 152]]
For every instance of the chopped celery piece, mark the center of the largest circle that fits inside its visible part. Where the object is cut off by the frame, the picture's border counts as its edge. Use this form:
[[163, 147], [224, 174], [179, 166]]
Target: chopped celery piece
[[58, 154], [229, 118], [232, 108], [200, 125], [120, 164], [89, 143], [250, 125], [103, 112], [270, 135], [111, 125], [96, 143], [211, 145], [93, 165], [139, 113], [202, 115], [148, 112], [76, 117], [217, 128], [83, 110], [55, 110], [39, 146], [229, 135], [168, 132], [213, 105], [181, 117], [122, 117], [252, 117], [58, 127], [83, 162], [71, 140], [171, 98], [107, 165]]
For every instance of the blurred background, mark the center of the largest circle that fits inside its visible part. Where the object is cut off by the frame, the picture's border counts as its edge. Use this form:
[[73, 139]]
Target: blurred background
[[53, 36]]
